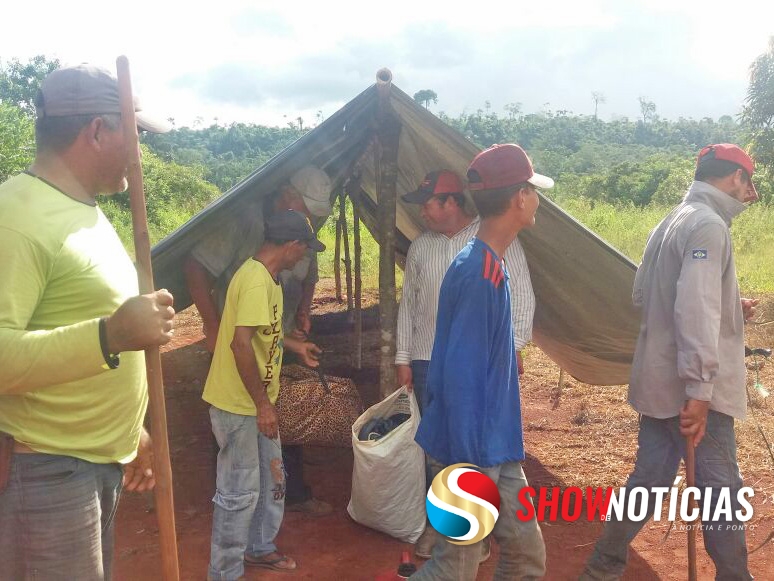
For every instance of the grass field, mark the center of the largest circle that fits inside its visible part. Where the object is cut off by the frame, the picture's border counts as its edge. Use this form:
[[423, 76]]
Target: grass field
[[626, 228]]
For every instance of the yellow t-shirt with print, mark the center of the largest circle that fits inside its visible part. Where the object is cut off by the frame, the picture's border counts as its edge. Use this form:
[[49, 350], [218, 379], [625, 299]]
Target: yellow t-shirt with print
[[254, 299]]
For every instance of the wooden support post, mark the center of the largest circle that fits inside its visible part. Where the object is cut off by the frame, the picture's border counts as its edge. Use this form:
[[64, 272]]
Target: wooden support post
[[345, 241], [388, 135], [358, 354], [337, 258]]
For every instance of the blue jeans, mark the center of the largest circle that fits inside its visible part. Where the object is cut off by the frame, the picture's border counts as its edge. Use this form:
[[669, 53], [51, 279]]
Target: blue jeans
[[419, 369], [660, 449], [56, 518], [522, 550], [249, 497]]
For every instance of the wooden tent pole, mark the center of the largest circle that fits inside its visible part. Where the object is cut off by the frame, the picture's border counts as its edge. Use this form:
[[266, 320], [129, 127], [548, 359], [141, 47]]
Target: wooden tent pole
[[388, 136], [337, 258], [341, 220], [165, 506], [345, 240], [354, 195]]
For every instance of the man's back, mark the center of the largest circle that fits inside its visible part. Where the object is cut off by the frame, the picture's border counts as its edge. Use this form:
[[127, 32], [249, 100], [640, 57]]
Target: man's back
[[473, 411], [428, 259]]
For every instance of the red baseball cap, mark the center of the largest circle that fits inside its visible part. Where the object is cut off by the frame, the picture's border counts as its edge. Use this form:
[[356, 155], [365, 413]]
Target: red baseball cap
[[732, 153], [504, 165], [436, 183]]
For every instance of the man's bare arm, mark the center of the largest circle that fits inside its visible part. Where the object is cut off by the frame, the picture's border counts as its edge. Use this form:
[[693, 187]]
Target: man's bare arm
[[200, 286]]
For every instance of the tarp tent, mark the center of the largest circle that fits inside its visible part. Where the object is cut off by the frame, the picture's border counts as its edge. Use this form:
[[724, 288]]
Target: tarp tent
[[584, 318]]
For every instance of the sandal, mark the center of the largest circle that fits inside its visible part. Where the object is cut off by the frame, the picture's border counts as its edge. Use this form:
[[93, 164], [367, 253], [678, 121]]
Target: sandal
[[274, 561]]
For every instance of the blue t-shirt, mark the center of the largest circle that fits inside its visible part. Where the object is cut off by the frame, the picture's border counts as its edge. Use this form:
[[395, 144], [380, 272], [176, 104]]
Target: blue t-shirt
[[472, 410]]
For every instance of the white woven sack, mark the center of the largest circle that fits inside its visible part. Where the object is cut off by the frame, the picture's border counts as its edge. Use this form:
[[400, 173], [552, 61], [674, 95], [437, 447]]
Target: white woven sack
[[388, 475]]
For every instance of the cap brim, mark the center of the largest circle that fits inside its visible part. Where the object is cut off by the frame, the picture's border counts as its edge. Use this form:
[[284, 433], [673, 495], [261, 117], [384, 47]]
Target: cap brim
[[541, 181], [152, 124], [321, 209], [416, 197], [315, 245]]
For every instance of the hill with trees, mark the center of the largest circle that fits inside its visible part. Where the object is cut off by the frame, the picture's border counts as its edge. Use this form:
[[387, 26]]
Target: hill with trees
[[621, 162]]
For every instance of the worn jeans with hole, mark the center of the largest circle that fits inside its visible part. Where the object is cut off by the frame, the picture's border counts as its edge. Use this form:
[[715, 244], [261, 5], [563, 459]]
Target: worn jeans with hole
[[249, 497], [660, 449], [56, 518], [522, 550]]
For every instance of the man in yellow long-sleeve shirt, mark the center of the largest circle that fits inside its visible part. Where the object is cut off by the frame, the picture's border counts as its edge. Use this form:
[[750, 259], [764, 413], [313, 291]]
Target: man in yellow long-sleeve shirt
[[69, 306]]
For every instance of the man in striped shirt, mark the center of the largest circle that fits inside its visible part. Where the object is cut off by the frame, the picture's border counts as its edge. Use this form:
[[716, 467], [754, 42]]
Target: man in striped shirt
[[449, 229]]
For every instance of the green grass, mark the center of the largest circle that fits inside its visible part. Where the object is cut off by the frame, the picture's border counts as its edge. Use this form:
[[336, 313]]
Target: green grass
[[627, 228], [369, 260], [753, 234]]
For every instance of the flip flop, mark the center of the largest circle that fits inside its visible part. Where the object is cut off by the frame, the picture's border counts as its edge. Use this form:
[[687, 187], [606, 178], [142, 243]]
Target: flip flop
[[281, 563]]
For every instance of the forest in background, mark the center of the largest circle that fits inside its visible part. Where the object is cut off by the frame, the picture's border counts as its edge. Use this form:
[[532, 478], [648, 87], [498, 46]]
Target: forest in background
[[618, 177]]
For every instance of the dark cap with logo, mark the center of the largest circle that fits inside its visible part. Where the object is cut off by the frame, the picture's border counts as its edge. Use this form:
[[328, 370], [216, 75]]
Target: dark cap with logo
[[732, 153], [89, 90], [504, 165], [436, 183], [289, 225]]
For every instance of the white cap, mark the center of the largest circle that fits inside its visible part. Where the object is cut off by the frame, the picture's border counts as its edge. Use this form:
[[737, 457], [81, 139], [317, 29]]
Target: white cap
[[314, 185]]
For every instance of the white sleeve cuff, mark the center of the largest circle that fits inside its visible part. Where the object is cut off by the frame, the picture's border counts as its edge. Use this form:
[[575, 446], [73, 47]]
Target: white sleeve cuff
[[699, 391]]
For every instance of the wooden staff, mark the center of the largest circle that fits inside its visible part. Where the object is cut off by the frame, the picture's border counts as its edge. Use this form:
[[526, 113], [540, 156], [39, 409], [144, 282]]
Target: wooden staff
[[165, 506], [690, 480]]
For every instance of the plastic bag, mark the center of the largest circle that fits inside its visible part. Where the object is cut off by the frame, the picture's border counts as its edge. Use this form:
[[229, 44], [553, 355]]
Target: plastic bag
[[388, 475]]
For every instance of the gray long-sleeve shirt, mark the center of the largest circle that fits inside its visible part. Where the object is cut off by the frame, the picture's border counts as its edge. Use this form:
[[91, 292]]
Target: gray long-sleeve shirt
[[691, 341]]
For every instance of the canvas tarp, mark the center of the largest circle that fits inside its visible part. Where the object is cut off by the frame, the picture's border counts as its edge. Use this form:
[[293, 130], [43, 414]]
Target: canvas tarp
[[584, 318]]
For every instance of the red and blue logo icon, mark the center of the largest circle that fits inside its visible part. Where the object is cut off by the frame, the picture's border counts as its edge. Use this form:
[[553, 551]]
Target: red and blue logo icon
[[463, 504]]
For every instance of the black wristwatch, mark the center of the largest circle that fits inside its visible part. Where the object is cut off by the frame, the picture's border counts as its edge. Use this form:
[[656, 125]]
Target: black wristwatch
[[111, 360]]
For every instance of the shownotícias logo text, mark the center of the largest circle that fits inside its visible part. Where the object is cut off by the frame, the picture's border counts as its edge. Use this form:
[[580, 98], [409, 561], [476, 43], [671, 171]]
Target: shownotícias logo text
[[571, 504]]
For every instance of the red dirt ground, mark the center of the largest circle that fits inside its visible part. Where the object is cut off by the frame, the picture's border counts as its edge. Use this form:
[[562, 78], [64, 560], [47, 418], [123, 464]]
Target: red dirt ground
[[560, 440]]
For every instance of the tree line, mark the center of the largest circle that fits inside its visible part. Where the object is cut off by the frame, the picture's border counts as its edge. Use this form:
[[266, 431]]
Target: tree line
[[622, 161]]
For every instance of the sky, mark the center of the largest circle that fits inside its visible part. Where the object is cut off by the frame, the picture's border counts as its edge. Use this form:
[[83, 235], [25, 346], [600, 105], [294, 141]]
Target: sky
[[273, 62]]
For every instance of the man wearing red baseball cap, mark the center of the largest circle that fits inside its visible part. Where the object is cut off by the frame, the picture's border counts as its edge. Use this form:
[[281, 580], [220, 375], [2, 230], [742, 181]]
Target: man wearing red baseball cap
[[449, 228], [688, 375], [472, 408]]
